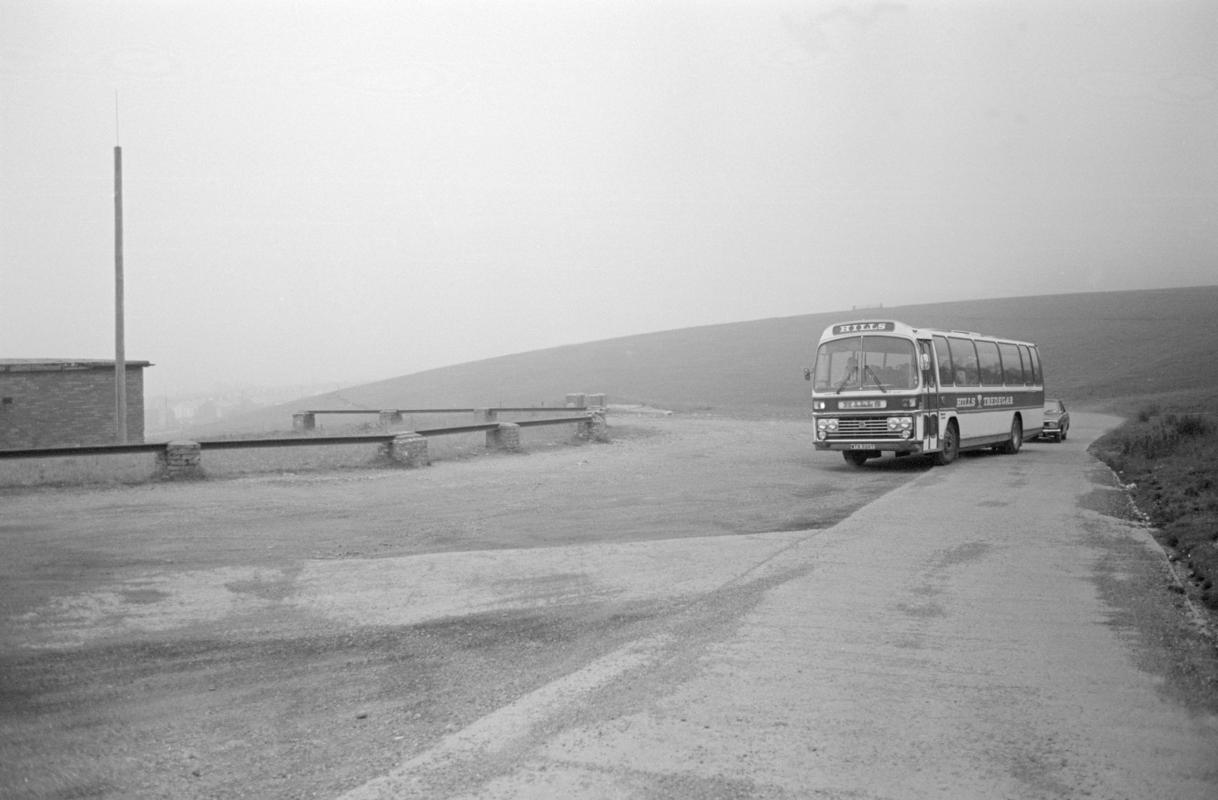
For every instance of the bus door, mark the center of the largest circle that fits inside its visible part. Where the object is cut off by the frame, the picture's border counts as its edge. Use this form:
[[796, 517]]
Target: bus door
[[930, 393]]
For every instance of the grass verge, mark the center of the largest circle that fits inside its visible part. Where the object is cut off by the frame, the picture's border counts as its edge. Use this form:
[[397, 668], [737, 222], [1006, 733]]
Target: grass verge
[[1168, 458]]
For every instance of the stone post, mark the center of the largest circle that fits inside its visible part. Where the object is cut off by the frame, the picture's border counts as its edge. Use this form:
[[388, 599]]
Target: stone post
[[408, 449], [181, 461], [304, 421], [506, 437], [594, 428]]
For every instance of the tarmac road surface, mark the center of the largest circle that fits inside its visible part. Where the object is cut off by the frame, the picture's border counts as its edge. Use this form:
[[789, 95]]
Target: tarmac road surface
[[704, 608], [987, 630]]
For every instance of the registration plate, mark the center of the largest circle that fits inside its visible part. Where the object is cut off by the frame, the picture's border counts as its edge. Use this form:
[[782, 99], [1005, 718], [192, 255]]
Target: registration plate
[[859, 446]]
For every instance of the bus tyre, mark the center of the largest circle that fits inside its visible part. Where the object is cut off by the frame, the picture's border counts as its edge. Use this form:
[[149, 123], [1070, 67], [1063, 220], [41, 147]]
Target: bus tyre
[[951, 445], [1012, 445], [856, 458]]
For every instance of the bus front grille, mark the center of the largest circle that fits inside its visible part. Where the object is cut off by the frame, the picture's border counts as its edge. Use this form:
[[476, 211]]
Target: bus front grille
[[863, 428]]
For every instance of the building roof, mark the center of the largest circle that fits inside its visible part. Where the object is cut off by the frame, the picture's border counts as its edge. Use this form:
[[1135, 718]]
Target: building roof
[[62, 364]]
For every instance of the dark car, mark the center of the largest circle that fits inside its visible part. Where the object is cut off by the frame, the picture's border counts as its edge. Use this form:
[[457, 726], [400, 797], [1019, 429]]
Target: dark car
[[1057, 420]]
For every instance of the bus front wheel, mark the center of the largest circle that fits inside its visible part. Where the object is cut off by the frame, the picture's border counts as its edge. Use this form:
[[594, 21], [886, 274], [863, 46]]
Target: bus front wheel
[[856, 458], [951, 445]]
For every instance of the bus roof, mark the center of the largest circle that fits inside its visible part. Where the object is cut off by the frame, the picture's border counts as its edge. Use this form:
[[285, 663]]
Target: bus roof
[[860, 326]]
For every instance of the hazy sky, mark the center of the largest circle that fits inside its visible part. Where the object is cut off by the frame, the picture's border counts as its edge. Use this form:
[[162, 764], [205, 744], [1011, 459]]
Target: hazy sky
[[349, 191]]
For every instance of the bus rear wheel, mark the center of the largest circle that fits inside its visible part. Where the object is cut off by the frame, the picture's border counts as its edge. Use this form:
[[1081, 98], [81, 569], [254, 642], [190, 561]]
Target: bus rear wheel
[[1011, 446], [951, 445]]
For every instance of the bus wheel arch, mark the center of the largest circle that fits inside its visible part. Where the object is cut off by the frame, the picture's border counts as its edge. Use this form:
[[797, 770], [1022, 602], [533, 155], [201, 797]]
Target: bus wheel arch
[[950, 444]]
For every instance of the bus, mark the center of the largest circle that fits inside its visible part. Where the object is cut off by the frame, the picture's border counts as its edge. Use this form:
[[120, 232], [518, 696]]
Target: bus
[[881, 386]]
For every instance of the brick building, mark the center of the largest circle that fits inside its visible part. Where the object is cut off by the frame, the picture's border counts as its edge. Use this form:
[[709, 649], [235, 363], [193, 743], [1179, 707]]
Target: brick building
[[49, 403]]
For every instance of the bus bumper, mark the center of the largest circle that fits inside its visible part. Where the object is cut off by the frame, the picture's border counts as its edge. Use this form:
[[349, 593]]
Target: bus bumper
[[901, 448]]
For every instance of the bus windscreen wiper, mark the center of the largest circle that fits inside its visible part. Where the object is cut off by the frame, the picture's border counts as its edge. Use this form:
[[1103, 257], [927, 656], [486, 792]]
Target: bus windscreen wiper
[[867, 370]]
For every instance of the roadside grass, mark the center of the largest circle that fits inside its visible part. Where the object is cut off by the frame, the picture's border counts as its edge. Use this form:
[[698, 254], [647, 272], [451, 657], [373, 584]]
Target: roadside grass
[[1167, 456]]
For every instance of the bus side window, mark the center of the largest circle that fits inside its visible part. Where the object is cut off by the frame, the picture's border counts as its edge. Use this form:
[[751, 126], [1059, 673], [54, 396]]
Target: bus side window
[[944, 362], [990, 364], [1026, 358], [1012, 371], [1037, 377], [964, 359]]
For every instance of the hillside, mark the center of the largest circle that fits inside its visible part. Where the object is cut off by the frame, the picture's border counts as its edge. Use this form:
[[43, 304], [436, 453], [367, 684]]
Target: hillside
[[1097, 348]]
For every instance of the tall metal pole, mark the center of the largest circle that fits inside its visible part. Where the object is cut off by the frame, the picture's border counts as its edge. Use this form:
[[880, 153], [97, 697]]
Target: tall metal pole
[[120, 356]]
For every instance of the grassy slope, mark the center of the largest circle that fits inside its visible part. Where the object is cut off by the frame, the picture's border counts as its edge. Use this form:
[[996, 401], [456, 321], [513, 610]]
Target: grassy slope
[[1098, 349]]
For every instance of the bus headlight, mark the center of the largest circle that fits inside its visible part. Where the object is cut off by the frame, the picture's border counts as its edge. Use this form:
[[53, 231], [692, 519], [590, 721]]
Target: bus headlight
[[902, 424]]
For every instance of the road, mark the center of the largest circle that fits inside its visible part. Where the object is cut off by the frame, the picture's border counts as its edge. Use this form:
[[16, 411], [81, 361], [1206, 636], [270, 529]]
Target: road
[[705, 609], [967, 635]]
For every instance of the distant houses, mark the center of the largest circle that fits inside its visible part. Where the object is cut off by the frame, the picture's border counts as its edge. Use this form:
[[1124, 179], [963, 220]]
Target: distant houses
[[64, 403]]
